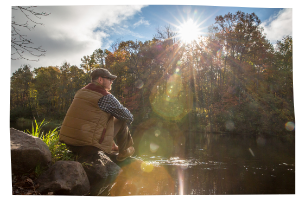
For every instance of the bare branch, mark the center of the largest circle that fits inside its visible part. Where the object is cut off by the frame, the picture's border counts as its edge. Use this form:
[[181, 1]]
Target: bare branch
[[19, 43]]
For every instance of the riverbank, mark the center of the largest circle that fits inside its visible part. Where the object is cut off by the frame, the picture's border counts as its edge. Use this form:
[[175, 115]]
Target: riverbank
[[38, 167]]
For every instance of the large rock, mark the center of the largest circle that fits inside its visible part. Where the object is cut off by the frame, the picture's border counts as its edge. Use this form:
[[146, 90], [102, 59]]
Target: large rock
[[98, 166], [101, 171], [27, 152], [64, 178]]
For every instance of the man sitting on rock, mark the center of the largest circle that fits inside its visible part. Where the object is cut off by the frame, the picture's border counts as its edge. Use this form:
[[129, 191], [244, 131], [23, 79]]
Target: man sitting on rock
[[95, 118]]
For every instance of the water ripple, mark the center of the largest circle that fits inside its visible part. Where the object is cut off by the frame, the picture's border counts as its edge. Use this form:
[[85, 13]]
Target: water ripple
[[176, 161]]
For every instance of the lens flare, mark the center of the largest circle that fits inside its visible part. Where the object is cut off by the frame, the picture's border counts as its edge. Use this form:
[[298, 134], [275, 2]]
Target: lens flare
[[154, 138], [155, 141], [157, 133], [290, 126], [219, 53], [181, 182], [153, 147], [147, 167], [139, 84], [141, 178], [250, 150], [173, 101], [229, 125], [261, 141]]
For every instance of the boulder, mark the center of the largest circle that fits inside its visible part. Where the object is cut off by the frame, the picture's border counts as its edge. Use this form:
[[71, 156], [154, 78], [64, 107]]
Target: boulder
[[99, 166], [64, 178], [27, 152], [100, 169], [92, 174]]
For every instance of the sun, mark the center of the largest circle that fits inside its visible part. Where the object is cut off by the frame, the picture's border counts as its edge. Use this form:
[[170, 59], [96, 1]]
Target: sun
[[189, 31]]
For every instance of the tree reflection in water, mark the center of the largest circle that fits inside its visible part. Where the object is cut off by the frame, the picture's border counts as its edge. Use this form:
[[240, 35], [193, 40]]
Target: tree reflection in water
[[216, 164]]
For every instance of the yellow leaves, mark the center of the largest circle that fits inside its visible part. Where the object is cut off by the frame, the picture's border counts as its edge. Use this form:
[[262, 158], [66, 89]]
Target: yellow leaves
[[33, 93], [54, 69], [201, 110], [250, 63]]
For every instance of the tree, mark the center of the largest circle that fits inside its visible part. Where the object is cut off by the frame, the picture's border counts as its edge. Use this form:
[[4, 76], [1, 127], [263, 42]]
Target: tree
[[239, 35], [99, 57], [166, 34], [23, 47], [20, 98], [47, 82], [233, 80], [284, 68]]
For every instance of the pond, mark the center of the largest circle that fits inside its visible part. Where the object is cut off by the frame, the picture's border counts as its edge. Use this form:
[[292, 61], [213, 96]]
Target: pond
[[194, 163], [210, 164]]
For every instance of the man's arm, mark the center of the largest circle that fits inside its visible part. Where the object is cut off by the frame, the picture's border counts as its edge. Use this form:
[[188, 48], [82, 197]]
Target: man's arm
[[110, 104]]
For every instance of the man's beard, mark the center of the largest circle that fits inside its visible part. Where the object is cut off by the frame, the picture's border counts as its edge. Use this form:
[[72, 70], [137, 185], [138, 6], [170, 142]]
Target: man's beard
[[100, 85]]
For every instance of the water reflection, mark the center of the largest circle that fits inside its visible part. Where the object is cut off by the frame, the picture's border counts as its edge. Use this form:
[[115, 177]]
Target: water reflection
[[141, 178], [170, 161], [215, 164]]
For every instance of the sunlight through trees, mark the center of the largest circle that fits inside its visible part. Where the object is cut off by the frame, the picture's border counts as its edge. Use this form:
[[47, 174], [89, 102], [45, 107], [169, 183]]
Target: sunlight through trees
[[234, 80]]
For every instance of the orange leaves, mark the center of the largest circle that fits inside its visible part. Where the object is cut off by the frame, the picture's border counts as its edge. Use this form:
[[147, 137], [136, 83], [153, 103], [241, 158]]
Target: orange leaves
[[109, 59], [118, 56]]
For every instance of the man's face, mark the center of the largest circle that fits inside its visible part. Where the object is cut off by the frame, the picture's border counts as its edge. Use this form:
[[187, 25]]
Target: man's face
[[106, 83]]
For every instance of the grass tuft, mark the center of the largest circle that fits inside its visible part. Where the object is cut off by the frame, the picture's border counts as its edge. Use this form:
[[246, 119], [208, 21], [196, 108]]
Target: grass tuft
[[59, 151]]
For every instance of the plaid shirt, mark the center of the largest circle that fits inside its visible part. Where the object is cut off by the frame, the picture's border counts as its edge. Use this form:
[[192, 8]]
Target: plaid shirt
[[110, 104]]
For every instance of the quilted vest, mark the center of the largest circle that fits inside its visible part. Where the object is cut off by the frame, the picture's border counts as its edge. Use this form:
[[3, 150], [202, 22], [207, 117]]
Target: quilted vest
[[85, 124]]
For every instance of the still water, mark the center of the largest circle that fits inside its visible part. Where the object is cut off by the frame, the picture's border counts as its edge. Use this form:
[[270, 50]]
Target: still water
[[192, 163], [210, 164]]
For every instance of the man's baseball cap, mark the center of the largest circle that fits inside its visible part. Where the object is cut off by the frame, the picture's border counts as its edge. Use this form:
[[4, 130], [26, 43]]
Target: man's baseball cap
[[101, 72]]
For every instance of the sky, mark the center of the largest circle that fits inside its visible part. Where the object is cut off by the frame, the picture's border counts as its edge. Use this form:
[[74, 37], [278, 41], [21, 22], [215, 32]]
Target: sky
[[70, 32]]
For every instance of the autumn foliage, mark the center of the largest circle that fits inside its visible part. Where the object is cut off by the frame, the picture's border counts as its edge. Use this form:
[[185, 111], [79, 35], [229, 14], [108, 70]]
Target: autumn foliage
[[234, 75]]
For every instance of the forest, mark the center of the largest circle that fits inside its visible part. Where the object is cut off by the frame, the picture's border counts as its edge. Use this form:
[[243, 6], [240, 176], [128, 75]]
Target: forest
[[233, 80]]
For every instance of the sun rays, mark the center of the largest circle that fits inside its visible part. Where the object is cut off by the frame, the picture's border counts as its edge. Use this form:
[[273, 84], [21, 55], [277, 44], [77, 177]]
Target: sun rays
[[189, 31]]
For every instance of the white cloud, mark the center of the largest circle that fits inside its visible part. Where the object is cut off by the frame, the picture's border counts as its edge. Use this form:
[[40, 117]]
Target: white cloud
[[279, 25], [140, 22], [70, 32]]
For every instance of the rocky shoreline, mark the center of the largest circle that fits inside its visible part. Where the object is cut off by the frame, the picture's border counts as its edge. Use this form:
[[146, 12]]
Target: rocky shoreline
[[88, 176]]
